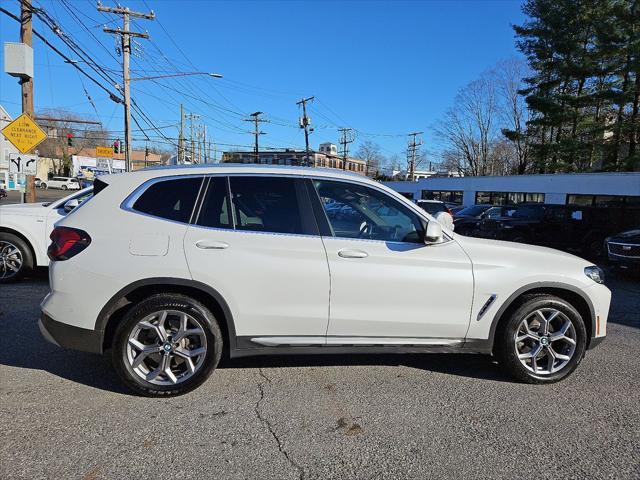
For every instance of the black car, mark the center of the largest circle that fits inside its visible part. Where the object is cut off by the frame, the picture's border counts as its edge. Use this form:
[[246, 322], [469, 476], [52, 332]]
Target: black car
[[466, 220], [571, 228], [623, 250]]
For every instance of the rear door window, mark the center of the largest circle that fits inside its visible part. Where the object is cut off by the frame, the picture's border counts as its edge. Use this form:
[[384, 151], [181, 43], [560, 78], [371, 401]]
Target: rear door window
[[170, 199], [270, 204], [215, 212]]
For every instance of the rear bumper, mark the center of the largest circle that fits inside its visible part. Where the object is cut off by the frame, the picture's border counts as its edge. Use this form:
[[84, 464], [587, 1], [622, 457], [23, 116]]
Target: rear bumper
[[70, 337]]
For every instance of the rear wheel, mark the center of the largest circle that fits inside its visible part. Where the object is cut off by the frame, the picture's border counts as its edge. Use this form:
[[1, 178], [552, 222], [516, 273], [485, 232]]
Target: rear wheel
[[43, 186], [63, 187], [543, 341], [15, 258], [167, 345]]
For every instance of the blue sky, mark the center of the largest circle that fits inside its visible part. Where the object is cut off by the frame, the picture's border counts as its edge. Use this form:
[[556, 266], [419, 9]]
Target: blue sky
[[384, 68]]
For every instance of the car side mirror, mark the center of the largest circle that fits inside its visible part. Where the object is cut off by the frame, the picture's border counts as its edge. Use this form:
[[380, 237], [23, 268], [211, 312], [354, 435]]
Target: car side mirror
[[433, 233], [70, 204]]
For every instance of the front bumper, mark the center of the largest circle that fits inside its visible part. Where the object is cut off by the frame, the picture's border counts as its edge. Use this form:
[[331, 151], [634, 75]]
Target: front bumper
[[68, 336]]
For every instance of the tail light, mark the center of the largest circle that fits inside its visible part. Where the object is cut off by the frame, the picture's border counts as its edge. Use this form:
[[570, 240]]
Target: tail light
[[67, 243]]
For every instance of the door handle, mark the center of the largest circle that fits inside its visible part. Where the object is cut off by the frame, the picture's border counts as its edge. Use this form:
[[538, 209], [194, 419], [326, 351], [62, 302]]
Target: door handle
[[212, 245], [352, 254]]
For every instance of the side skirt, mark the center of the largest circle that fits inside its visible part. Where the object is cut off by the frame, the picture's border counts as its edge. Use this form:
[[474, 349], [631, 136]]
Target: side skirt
[[248, 346]]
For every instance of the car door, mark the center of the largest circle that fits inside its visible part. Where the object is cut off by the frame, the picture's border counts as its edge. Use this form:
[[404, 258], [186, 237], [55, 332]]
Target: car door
[[256, 243], [386, 284]]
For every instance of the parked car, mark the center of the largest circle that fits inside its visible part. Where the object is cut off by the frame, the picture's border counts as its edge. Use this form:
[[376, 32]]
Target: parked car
[[433, 206], [572, 228], [467, 220], [623, 250], [62, 183], [3, 193], [246, 259], [24, 231]]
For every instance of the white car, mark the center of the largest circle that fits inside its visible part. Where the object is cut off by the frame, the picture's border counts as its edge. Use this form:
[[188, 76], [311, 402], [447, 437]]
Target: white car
[[165, 268], [62, 183], [25, 230]]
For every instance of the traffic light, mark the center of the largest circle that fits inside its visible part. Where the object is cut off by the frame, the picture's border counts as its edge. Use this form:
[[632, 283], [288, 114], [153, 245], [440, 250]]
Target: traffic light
[[70, 139], [116, 146]]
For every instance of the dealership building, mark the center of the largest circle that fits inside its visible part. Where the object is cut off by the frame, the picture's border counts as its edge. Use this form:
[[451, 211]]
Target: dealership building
[[562, 189]]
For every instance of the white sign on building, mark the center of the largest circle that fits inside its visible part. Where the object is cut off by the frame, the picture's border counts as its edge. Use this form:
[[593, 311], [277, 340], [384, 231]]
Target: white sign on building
[[90, 167]]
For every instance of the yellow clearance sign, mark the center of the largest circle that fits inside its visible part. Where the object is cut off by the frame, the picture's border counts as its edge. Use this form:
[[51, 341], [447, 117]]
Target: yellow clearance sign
[[24, 133], [104, 152]]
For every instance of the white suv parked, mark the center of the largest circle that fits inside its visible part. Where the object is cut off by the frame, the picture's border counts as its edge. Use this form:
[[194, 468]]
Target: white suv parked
[[62, 183], [166, 268]]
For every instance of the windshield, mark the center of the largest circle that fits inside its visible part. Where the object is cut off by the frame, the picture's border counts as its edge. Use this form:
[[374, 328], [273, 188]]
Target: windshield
[[432, 207], [473, 211]]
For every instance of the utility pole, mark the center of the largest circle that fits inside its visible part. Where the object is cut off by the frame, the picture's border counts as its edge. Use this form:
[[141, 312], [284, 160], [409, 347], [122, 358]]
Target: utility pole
[[345, 139], [412, 153], [191, 117], [305, 121], [181, 155], [26, 85], [126, 35], [255, 118]]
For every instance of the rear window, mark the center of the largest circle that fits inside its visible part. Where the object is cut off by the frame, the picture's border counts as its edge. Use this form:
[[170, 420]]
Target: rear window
[[170, 199]]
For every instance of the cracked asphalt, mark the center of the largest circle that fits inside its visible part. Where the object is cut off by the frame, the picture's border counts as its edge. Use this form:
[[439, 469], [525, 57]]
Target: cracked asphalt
[[65, 415]]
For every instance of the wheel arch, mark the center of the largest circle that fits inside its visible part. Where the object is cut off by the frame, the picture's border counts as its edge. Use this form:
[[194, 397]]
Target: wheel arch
[[573, 295], [115, 309], [25, 239]]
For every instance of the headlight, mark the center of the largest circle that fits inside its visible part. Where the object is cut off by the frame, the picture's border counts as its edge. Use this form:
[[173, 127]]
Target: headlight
[[594, 273]]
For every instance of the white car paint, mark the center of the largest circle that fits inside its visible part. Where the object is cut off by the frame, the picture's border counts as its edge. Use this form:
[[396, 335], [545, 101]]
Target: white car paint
[[299, 288], [63, 183], [35, 221]]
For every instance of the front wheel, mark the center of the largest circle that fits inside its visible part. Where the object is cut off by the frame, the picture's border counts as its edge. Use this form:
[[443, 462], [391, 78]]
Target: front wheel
[[167, 345], [543, 341], [64, 187], [43, 186], [15, 258]]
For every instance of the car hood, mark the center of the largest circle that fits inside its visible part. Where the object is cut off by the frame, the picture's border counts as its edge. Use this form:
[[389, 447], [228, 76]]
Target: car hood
[[524, 262], [31, 209], [629, 236]]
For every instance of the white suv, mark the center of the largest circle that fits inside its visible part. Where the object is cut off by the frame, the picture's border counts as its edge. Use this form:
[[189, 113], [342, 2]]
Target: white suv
[[62, 183], [166, 268]]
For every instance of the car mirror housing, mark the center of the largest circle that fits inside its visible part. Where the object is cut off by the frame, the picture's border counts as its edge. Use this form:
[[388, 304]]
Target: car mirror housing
[[433, 233], [445, 219]]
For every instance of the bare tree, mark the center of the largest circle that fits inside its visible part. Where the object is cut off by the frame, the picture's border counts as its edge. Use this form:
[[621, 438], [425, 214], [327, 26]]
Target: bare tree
[[370, 152], [469, 128], [514, 114]]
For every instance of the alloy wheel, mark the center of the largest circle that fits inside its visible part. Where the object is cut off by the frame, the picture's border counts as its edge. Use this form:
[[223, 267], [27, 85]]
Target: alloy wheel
[[166, 347], [10, 260], [545, 341]]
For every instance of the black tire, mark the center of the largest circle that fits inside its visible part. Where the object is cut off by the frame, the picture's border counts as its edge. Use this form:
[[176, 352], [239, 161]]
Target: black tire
[[25, 253], [169, 301], [43, 186], [63, 187], [505, 347]]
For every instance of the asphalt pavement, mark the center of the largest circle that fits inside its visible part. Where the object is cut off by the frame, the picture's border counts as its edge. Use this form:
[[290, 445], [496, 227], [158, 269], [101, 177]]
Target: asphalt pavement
[[65, 414], [42, 195]]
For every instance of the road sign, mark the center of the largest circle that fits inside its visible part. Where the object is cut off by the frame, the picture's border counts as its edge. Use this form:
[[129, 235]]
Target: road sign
[[104, 152], [24, 133], [25, 164]]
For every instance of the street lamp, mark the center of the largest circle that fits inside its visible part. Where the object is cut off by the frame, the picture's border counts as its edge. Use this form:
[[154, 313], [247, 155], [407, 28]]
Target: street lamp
[[182, 74]]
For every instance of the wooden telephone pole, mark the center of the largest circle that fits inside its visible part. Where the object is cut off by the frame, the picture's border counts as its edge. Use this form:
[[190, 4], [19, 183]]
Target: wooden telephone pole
[[345, 139], [412, 153], [126, 35], [305, 121], [255, 118], [26, 84]]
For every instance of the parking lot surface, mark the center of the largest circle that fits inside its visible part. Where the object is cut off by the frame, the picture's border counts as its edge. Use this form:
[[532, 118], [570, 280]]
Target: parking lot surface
[[48, 195], [65, 414]]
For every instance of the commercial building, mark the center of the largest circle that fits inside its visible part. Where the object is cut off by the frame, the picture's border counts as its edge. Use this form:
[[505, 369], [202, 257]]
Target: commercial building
[[326, 156], [570, 189]]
